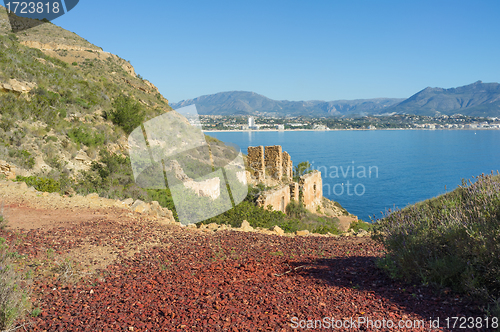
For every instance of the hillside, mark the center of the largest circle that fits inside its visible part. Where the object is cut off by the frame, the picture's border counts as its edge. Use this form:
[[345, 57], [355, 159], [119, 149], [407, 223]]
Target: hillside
[[251, 103], [66, 107], [477, 99]]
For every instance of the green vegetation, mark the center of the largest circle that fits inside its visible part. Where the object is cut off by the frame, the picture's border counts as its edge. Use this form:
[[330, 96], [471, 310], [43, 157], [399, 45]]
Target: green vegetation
[[13, 292], [449, 241], [127, 113], [296, 218], [68, 106], [302, 168], [84, 135], [41, 184], [359, 225]]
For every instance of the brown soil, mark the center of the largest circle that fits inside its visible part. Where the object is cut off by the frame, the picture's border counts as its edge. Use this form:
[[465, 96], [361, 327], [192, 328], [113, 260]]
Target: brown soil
[[106, 269]]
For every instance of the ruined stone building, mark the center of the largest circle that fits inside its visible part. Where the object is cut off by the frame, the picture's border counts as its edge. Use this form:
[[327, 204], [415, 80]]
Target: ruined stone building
[[272, 166]]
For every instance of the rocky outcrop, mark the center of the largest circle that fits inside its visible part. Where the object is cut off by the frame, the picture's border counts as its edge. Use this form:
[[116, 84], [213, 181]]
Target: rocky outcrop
[[8, 170], [16, 86], [54, 46], [207, 188]]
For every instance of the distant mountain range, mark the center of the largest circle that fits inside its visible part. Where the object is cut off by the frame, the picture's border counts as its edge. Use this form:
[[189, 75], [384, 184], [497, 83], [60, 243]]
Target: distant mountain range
[[477, 99]]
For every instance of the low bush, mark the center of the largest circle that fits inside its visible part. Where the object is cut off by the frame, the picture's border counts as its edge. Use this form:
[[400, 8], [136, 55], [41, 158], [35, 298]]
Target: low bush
[[41, 184], [24, 157], [449, 241], [13, 291], [127, 113], [83, 135]]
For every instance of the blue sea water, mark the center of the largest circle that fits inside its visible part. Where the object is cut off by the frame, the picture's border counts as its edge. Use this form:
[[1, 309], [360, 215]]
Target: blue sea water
[[407, 166]]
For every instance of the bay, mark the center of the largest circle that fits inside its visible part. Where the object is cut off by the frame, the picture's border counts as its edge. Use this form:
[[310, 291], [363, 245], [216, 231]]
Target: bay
[[407, 166]]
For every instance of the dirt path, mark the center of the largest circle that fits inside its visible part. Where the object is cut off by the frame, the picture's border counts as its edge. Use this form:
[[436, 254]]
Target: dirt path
[[99, 268]]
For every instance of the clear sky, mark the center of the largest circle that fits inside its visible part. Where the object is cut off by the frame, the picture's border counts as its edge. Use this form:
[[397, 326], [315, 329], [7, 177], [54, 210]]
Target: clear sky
[[297, 50]]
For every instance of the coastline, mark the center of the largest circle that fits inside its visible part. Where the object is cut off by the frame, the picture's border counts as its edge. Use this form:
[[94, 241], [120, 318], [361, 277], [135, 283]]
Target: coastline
[[277, 130]]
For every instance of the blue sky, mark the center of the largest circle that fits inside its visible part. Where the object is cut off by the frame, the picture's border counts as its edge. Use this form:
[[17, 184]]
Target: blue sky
[[297, 50]]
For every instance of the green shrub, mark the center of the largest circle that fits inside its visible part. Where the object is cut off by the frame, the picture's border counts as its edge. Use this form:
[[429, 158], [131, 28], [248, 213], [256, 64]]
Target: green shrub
[[13, 295], [295, 209], [358, 225], [74, 63], [449, 241], [41, 184], [127, 113], [25, 158], [86, 136]]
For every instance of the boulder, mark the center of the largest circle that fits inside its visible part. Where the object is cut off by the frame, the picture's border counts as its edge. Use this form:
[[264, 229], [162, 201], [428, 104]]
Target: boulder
[[17, 86], [302, 232], [140, 206], [245, 226], [277, 230], [8, 170], [362, 233], [128, 201], [213, 226], [156, 209]]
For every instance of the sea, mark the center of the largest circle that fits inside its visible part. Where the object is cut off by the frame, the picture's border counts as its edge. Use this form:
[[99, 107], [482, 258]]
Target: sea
[[369, 172]]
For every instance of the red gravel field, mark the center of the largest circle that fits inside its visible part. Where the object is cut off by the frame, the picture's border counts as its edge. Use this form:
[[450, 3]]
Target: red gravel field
[[118, 272]]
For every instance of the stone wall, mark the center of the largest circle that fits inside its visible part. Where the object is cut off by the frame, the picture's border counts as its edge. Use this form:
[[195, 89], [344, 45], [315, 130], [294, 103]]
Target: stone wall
[[8, 170], [311, 186], [277, 198], [269, 164], [256, 162], [273, 160], [294, 191], [287, 166]]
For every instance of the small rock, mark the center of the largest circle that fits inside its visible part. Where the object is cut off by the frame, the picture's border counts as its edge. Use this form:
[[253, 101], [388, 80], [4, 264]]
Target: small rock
[[128, 201], [362, 233], [156, 209], [212, 226], [140, 206], [23, 185], [277, 230], [245, 226], [70, 192], [302, 232], [45, 193]]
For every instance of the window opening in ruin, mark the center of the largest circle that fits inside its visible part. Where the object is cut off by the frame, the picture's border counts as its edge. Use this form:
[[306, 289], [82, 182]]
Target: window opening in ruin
[[282, 204]]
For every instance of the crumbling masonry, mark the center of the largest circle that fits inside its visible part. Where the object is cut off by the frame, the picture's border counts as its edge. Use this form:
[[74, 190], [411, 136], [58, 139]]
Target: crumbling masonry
[[271, 162]]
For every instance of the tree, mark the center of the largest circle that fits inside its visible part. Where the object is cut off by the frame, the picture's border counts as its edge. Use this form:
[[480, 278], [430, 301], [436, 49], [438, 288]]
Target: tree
[[127, 113], [301, 169]]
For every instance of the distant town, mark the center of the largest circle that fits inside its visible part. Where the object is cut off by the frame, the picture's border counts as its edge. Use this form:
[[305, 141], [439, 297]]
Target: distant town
[[397, 121]]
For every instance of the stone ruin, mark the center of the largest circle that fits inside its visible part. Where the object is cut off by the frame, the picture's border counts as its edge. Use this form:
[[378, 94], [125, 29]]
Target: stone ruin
[[311, 190], [271, 163]]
